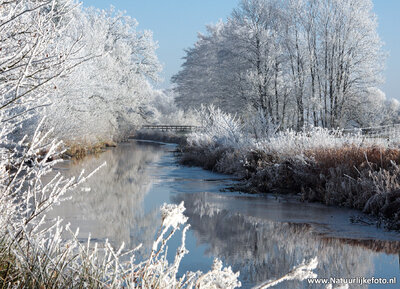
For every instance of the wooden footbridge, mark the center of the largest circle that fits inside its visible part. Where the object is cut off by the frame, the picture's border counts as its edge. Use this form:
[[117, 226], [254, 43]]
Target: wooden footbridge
[[387, 131], [176, 128]]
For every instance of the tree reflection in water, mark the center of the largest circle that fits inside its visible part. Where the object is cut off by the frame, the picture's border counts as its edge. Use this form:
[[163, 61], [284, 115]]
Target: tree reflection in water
[[113, 208], [262, 249]]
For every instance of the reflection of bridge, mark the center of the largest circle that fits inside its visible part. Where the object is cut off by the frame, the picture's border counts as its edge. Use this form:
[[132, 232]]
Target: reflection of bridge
[[179, 128], [386, 131]]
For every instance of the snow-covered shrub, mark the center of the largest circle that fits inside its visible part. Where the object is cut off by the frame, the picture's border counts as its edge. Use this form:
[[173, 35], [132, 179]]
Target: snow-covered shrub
[[219, 129], [382, 194], [290, 143], [220, 136]]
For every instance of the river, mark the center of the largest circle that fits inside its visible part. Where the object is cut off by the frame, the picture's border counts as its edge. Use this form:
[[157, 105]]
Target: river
[[262, 237]]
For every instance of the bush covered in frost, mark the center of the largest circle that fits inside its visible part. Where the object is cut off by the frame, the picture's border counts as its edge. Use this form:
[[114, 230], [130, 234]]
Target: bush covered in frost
[[327, 166], [220, 129]]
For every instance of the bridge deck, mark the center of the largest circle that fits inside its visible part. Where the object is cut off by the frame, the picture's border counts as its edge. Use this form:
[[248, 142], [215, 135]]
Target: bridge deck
[[387, 131], [182, 128]]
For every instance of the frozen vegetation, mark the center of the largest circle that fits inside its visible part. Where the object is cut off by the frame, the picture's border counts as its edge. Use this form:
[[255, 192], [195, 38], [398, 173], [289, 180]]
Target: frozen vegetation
[[321, 165]]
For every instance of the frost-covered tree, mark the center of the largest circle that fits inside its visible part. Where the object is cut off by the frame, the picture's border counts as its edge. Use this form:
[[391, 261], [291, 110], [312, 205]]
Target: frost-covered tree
[[106, 96], [373, 109], [199, 81], [31, 55], [302, 62], [348, 55], [91, 69]]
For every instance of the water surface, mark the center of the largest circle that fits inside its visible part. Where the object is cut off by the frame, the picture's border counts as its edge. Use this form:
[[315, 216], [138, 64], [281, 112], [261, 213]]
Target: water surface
[[263, 237]]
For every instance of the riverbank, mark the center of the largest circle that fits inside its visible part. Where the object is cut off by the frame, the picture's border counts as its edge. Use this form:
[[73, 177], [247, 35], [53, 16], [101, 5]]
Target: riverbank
[[363, 178], [319, 165], [79, 150]]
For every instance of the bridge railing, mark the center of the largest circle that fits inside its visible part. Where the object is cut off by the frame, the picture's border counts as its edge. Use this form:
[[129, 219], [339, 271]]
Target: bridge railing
[[386, 131], [178, 128]]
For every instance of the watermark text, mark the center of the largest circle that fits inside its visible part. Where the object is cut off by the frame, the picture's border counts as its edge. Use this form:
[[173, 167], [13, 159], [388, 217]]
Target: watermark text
[[352, 281]]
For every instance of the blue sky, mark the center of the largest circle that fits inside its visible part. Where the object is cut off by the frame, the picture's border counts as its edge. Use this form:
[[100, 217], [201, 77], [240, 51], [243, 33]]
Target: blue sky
[[175, 24]]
